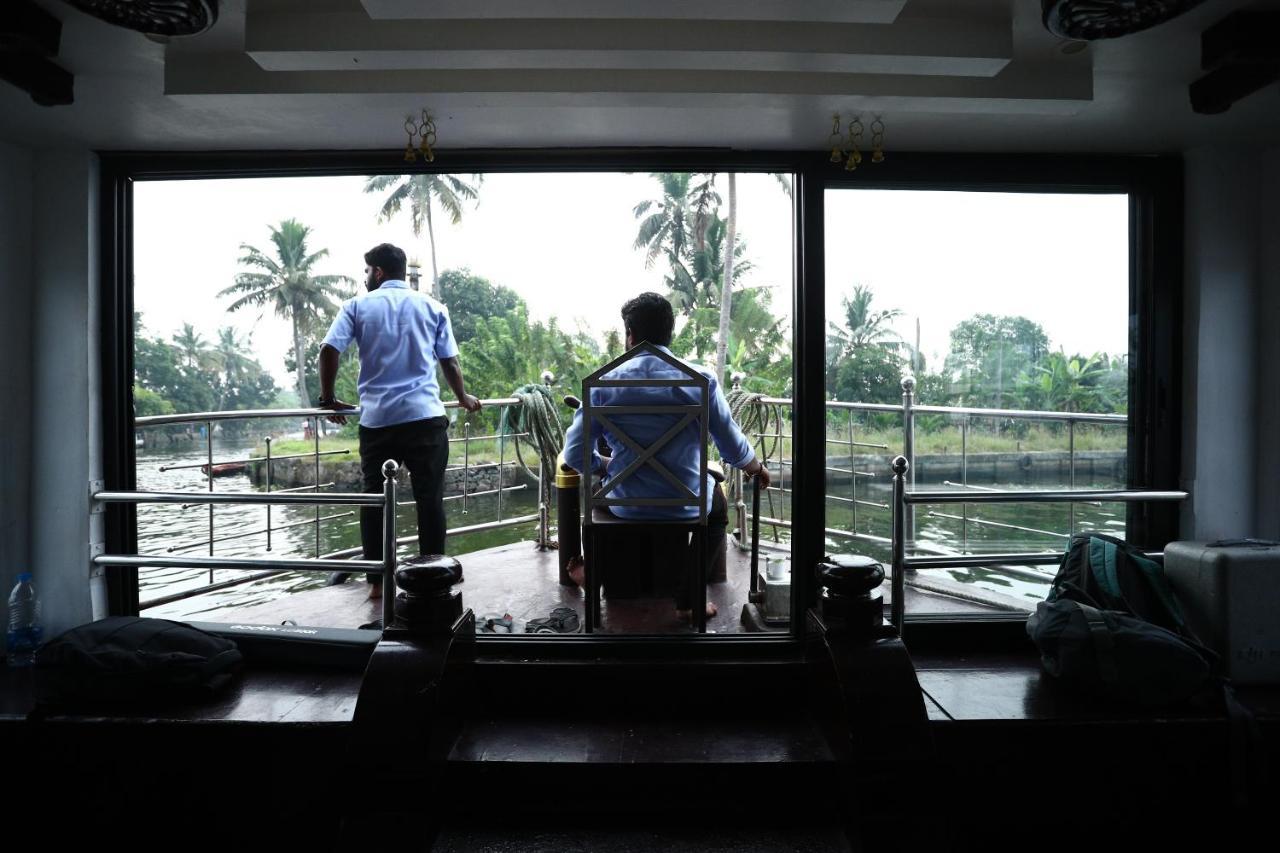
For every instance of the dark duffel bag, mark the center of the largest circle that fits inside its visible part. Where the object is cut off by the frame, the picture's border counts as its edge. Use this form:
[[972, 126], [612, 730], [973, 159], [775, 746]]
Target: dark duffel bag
[[124, 659], [1113, 626]]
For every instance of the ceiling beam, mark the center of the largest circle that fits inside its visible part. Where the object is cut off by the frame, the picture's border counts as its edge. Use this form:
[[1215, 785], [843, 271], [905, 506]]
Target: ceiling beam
[[350, 41], [845, 11], [1020, 88]]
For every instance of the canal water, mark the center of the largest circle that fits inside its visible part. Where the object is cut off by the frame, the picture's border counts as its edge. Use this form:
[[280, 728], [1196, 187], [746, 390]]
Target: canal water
[[172, 530], [240, 531]]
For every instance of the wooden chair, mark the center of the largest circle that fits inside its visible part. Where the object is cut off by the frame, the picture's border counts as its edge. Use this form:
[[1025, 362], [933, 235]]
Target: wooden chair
[[596, 498]]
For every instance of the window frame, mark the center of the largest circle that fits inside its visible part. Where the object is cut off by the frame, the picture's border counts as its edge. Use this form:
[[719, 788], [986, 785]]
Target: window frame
[[1153, 184]]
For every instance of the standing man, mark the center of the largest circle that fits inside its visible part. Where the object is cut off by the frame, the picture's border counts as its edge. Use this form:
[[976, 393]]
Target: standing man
[[401, 335]]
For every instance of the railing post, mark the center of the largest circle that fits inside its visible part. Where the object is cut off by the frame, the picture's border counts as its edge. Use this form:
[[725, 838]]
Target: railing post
[[740, 506], [208, 443], [268, 476], [897, 608], [853, 483], [1071, 470], [502, 465], [909, 444], [389, 469], [544, 487], [315, 432], [466, 461], [544, 533], [964, 481]]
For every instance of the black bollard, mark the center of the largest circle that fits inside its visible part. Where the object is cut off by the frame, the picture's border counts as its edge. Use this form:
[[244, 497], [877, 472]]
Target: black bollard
[[427, 602], [847, 602]]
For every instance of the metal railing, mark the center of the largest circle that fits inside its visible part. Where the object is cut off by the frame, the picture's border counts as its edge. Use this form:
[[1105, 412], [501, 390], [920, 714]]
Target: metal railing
[[777, 440], [318, 498], [386, 500], [903, 500]]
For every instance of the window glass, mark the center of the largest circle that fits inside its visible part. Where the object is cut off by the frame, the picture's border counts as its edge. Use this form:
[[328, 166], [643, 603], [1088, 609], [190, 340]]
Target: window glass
[[237, 282], [1016, 304]]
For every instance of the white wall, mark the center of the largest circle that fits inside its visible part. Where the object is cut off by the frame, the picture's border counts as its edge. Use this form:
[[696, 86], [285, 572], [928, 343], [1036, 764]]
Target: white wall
[[66, 428], [15, 361], [1267, 521], [1231, 417]]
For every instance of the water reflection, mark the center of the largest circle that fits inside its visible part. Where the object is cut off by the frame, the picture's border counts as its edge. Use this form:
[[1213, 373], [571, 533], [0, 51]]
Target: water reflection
[[162, 527]]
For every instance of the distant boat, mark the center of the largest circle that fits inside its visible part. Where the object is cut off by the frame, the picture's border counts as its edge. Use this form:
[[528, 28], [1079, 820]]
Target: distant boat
[[226, 469]]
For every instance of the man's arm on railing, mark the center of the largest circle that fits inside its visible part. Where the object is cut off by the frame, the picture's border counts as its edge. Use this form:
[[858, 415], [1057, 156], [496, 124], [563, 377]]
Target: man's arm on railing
[[573, 439], [734, 447], [328, 375], [452, 371]]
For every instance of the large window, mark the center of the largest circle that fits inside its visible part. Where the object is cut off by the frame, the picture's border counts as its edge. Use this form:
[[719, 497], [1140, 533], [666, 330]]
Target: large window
[[1008, 318], [237, 280]]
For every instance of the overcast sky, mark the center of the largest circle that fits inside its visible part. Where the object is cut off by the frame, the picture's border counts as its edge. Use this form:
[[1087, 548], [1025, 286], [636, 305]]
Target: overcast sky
[[563, 242]]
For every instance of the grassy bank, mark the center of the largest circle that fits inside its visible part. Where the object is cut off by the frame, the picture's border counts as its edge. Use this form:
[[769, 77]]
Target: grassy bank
[[480, 450]]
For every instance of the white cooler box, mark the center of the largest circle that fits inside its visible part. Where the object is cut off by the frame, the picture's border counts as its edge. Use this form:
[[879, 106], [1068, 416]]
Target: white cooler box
[[1231, 597]]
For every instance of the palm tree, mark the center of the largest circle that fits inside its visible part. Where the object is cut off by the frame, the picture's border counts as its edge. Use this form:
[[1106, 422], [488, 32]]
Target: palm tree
[[730, 258], [422, 192], [726, 293], [1072, 384], [233, 363], [287, 283], [864, 327], [195, 351], [667, 224]]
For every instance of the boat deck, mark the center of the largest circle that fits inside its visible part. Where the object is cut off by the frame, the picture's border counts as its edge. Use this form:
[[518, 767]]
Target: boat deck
[[522, 581]]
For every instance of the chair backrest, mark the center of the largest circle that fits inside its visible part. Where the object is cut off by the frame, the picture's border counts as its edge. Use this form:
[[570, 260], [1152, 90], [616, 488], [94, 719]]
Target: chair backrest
[[681, 415]]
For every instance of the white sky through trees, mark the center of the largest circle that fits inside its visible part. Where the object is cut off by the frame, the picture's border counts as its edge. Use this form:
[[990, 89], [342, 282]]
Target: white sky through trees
[[563, 242]]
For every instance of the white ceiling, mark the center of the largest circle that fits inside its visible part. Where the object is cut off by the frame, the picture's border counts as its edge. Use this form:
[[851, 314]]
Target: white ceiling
[[336, 74]]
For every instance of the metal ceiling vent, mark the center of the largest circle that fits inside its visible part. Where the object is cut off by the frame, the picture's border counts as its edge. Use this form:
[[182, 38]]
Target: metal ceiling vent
[[1087, 20], [154, 17]]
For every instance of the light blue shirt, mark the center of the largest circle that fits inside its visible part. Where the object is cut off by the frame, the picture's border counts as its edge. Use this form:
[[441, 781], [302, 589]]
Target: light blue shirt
[[402, 335], [680, 455]]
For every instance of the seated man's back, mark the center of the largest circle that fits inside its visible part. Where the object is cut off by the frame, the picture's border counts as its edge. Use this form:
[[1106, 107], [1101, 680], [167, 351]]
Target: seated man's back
[[679, 455]]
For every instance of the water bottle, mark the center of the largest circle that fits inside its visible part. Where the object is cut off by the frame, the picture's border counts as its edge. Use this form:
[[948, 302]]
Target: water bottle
[[24, 622]]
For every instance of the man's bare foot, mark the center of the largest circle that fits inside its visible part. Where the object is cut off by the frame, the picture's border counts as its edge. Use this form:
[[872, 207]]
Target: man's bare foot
[[375, 591], [577, 571], [686, 615]]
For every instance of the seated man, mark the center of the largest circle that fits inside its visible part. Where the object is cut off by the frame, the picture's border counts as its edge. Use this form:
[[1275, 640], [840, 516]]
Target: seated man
[[649, 318]]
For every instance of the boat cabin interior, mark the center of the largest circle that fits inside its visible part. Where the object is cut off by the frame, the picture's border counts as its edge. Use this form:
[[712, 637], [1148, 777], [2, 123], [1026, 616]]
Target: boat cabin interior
[[979, 280]]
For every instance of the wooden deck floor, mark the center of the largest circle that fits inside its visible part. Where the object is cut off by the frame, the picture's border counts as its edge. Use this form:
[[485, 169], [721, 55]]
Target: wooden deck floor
[[524, 582]]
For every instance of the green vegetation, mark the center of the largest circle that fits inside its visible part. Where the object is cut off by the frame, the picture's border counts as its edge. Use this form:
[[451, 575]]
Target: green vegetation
[[187, 374], [287, 284], [422, 192], [993, 361], [480, 450]]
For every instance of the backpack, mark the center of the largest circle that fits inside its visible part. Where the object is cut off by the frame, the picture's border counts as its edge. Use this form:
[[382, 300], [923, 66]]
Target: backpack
[[129, 659], [1111, 625]]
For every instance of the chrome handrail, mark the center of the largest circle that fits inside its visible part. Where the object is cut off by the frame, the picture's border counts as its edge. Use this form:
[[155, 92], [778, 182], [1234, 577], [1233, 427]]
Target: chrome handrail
[[908, 409], [903, 499], [387, 500], [314, 415]]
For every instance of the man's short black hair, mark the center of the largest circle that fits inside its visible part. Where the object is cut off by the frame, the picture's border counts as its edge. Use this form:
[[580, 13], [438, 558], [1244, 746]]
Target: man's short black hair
[[649, 318], [390, 258]]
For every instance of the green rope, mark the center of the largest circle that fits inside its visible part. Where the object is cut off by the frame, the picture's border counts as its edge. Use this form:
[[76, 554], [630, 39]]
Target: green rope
[[538, 416], [753, 416]]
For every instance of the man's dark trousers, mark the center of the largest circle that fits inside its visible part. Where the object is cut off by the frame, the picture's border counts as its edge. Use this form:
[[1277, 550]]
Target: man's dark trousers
[[422, 447]]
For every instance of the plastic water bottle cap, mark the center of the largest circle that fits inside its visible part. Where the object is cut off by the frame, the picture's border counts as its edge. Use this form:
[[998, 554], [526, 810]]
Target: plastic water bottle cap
[[24, 576]]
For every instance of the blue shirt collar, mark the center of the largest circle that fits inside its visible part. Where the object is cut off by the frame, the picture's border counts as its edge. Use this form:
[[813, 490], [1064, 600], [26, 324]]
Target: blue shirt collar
[[393, 282]]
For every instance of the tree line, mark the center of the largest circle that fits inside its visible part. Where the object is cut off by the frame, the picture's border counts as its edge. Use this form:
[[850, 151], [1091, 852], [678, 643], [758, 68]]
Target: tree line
[[725, 316]]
